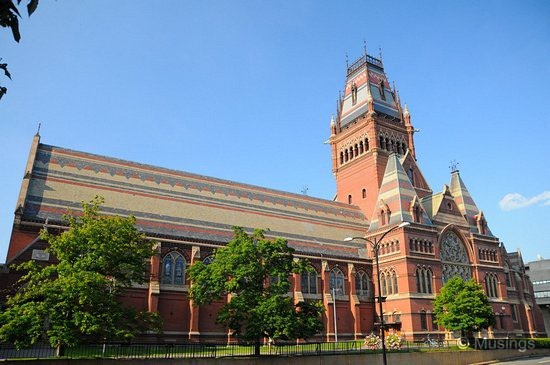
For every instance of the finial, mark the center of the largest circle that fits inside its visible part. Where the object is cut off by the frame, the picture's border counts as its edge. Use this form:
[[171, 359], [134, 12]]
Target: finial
[[369, 95], [347, 61], [406, 111], [453, 165], [364, 46], [380, 53], [332, 121], [38, 131]]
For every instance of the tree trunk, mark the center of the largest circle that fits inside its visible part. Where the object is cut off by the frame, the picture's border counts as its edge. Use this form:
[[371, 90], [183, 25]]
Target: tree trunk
[[257, 347]]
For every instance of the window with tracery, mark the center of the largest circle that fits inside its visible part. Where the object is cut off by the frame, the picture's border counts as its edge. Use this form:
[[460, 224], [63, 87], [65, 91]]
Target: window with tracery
[[337, 281], [309, 282], [491, 287], [424, 280], [454, 258], [173, 269], [362, 283], [388, 281]]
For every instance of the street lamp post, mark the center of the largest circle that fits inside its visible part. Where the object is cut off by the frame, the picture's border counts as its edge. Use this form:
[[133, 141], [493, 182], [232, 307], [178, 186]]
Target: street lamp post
[[375, 247]]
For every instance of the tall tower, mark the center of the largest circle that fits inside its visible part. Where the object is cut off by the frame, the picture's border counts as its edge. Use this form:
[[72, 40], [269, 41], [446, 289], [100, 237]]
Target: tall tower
[[370, 125]]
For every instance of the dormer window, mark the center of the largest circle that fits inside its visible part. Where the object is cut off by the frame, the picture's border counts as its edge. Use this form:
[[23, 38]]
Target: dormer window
[[381, 89], [353, 94], [410, 174]]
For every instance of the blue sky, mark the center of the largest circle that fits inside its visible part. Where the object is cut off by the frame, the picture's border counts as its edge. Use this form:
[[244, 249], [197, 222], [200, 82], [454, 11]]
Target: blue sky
[[244, 90]]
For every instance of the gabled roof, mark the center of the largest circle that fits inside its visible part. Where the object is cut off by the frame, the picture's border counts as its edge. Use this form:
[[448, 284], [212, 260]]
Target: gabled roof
[[186, 206], [396, 194], [408, 160], [465, 203], [442, 208]]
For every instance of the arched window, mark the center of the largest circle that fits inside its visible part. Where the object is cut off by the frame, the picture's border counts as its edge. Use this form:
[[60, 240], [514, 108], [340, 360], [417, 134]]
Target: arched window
[[364, 193], [383, 283], [341, 157], [353, 93], [491, 283], [208, 260], [424, 280], [337, 281], [362, 283], [454, 258], [423, 321], [394, 287], [410, 174], [361, 148], [309, 282], [366, 144], [381, 90], [349, 199], [173, 269], [382, 218], [356, 150]]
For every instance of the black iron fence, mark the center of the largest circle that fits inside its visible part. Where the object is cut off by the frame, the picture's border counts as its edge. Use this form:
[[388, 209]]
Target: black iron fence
[[209, 350]]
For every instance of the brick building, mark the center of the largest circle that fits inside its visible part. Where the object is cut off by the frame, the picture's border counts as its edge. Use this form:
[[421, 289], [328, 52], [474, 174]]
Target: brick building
[[379, 186]]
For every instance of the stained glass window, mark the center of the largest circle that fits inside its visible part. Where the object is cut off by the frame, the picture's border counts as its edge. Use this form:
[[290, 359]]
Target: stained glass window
[[173, 269], [454, 258], [309, 282], [362, 283], [337, 281]]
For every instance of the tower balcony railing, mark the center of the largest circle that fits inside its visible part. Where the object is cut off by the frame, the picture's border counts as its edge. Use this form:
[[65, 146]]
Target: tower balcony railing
[[358, 63]]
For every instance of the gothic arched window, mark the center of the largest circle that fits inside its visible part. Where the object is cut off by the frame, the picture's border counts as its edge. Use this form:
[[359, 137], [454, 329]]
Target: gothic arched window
[[362, 283], [173, 269], [309, 282], [337, 281], [423, 321], [394, 287], [454, 258], [383, 283], [491, 285], [424, 280]]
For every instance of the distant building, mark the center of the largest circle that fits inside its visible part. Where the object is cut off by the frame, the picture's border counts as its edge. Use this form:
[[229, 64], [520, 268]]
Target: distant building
[[379, 185], [539, 273]]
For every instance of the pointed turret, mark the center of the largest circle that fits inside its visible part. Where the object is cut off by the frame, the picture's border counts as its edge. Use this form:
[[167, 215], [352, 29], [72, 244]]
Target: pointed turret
[[397, 200], [406, 115], [467, 206], [332, 126]]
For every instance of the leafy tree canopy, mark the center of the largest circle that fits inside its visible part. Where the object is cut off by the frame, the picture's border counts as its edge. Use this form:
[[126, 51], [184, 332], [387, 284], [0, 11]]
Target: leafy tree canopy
[[256, 272], [463, 306], [75, 300], [9, 18]]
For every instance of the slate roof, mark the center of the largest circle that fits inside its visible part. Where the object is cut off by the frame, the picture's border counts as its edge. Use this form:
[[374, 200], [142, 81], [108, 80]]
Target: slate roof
[[186, 206], [367, 72], [397, 192], [465, 202]]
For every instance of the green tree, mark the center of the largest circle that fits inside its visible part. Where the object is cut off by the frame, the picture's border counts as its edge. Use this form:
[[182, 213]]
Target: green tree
[[463, 306], [75, 300], [9, 18], [256, 272]]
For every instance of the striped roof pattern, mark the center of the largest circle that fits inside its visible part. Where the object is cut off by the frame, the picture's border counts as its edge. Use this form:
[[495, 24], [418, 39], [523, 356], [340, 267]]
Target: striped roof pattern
[[367, 72], [397, 192], [187, 206], [464, 201]]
